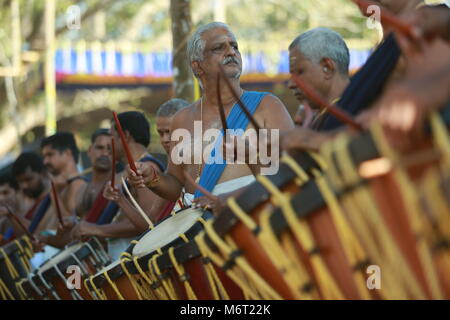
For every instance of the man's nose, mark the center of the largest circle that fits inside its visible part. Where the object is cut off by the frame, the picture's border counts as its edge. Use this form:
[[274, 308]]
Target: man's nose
[[231, 51]]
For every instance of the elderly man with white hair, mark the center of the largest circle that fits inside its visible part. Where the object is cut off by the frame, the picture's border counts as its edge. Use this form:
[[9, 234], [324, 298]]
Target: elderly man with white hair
[[321, 57], [212, 47]]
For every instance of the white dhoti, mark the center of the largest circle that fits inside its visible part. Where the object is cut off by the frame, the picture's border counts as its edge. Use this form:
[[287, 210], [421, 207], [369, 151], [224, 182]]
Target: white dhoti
[[224, 187]]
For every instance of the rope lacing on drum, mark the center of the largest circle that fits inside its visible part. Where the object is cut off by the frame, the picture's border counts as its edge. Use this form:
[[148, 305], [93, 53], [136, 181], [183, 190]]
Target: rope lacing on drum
[[285, 259], [99, 292], [134, 284], [418, 223], [303, 234], [184, 277], [230, 249], [164, 278]]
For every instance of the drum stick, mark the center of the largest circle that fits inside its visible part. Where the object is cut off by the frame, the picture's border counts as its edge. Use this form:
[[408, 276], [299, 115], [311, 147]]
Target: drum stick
[[317, 99], [238, 99], [113, 167], [208, 194], [17, 220], [124, 143], [387, 18], [221, 108], [58, 208], [136, 205]]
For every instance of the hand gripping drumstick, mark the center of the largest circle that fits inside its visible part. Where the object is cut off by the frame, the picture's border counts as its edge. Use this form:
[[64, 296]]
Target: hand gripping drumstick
[[58, 208], [316, 98], [136, 205], [14, 217], [124, 143], [113, 167], [387, 18]]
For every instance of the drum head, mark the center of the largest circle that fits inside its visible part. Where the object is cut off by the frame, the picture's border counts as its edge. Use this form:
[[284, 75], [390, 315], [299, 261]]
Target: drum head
[[167, 231], [60, 257]]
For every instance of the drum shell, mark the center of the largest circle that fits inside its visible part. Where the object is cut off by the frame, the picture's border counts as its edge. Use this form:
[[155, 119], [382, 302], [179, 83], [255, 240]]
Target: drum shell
[[15, 255], [198, 280]]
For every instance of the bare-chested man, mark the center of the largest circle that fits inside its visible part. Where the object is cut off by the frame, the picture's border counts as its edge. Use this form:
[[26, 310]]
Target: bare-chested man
[[31, 176], [99, 154], [121, 230], [210, 46], [60, 155], [160, 207]]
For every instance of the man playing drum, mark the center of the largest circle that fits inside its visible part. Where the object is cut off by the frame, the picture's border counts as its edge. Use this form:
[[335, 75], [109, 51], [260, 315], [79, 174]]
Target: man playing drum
[[121, 231], [160, 208], [213, 47]]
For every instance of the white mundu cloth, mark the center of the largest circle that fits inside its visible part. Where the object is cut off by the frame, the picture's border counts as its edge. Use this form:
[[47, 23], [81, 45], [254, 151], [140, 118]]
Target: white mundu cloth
[[225, 187], [40, 257]]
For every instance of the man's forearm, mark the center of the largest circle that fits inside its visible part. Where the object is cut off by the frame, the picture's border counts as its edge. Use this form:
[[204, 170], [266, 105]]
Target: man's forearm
[[168, 187], [133, 215], [122, 229]]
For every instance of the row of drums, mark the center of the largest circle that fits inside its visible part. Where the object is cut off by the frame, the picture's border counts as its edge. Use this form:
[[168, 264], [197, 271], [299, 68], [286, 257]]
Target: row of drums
[[356, 221]]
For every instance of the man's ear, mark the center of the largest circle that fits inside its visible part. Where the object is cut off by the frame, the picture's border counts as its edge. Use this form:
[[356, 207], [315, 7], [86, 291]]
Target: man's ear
[[328, 68], [197, 69]]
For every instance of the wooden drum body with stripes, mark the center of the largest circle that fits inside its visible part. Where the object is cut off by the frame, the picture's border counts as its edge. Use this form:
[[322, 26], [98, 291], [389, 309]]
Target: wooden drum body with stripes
[[14, 266], [143, 271], [50, 281]]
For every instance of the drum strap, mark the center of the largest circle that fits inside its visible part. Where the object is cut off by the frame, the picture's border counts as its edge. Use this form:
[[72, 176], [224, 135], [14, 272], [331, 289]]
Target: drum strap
[[303, 234], [149, 279]]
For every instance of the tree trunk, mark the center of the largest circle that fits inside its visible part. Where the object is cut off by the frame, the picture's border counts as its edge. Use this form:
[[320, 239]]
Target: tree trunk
[[183, 84]]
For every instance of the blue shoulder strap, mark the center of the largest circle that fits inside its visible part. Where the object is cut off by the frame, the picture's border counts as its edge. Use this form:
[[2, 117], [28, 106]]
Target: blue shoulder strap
[[236, 120], [40, 212], [108, 213], [154, 160]]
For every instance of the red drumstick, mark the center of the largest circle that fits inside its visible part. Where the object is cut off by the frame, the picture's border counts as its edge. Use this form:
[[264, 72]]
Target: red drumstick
[[113, 167], [14, 217], [221, 108], [124, 143], [387, 18], [58, 208], [317, 99]]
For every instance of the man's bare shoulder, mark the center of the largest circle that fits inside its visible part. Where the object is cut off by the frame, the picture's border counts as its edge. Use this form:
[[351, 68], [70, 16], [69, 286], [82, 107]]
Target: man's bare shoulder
[[182, 116], [274, 113]]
